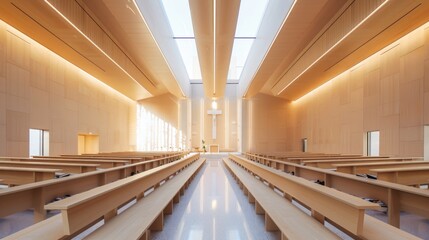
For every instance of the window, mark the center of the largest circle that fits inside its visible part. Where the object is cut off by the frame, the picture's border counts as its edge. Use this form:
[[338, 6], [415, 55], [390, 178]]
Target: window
[[426, 143], [304, 144], [155, 134], [373, 143], [39, 142]]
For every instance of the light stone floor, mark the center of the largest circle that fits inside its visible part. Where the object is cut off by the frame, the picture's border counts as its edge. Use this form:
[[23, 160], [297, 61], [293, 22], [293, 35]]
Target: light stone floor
[[214, 207]]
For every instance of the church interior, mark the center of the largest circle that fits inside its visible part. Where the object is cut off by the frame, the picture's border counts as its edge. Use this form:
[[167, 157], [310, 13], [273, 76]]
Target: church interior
[[214, 119]]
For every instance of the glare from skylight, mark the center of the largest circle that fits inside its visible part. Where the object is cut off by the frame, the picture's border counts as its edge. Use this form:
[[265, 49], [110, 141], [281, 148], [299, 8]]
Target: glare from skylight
[[240, 51], [188, 50], [249, 19], [179, 17]]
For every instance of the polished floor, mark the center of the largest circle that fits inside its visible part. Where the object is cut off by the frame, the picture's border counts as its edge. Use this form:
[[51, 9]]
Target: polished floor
[[214, 207]]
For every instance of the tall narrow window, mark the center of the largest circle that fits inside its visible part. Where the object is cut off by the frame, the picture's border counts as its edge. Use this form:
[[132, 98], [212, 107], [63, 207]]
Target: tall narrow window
[[39, 142], [426, 143], [373, 143], [304, 144]]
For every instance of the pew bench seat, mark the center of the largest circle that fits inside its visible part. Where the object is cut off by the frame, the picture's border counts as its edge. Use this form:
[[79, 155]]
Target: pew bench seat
[[376, 229], [49, 229], [404, 175], [280, 214], [148, 213], [66, 167], [20, 176]]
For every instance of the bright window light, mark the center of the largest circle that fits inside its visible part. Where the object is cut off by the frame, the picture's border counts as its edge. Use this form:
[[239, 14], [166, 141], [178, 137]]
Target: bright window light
[[179, 18], [188, 50], [249, 19], [240, 52]]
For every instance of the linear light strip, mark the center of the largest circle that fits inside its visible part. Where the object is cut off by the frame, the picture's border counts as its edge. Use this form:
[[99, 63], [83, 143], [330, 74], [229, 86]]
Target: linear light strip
[[94, 44], [19, 34], [156, 43], [214, 48], [336, 44]]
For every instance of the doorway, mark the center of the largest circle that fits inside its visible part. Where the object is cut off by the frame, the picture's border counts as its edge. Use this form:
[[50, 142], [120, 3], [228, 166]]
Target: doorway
[[87, 144]]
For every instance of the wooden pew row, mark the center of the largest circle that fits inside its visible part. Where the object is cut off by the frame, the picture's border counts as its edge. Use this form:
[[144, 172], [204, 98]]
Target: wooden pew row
[[330, 164], [148, 214], [133, 158], [325, 203], [65, 167], [148, 209], [81, 210], [101, 163], [279, 213], [397, 197], [364, 168], [36, 195], [327, 159], [18, 175], [297, 159], [416, 175], [80, 157]]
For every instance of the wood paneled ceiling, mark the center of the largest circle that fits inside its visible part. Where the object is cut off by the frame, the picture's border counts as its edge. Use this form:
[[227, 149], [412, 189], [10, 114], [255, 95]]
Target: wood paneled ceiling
[[318, 40]]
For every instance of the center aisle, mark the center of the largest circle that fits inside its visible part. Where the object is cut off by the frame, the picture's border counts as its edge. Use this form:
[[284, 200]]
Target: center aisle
[[214, 207]]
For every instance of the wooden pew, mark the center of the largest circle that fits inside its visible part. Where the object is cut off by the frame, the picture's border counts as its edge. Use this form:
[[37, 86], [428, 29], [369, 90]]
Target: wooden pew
[[19, 176], [279, 213], [329, 164], [364, 168], [135, 222], [332, 203], [301, 160], [81, 210], [65, 167], [128, 159], [342, 208], [397, 197], [36, 195], [404, 175], [101, 163]]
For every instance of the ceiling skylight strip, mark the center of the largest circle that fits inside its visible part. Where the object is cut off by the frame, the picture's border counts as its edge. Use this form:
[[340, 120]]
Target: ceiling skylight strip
[[179, 17], [249, 20], [214, 47]]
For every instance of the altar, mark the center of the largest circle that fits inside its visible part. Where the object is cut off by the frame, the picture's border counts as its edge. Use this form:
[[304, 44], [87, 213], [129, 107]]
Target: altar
[[214, 148]]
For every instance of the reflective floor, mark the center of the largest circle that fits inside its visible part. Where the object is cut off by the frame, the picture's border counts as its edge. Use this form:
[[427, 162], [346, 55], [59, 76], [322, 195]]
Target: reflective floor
[[214, 207]]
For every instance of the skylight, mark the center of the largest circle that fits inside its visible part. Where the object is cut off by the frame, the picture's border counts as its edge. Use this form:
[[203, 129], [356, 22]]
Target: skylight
[[249, 19], [179, 17]]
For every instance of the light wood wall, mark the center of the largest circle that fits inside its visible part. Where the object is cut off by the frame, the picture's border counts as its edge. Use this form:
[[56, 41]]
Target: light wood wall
[[267, 124], [40, 90], [388, 92]]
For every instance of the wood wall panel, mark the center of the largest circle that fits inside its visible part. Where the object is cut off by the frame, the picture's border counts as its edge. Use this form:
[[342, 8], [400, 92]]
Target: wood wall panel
[[40, 90], [388, 92], [266, 124]]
